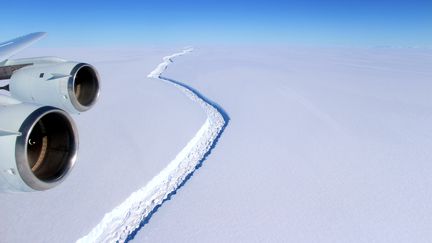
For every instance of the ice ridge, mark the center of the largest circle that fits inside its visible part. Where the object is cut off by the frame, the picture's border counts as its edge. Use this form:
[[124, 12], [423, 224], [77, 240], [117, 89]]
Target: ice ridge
[[126, 218]]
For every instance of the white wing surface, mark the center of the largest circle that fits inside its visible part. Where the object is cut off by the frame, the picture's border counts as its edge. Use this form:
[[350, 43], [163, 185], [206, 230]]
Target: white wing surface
[[11, 47]]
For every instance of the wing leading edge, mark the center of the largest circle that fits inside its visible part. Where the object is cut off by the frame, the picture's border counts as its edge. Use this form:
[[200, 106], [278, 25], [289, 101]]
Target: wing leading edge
[[11, 47]]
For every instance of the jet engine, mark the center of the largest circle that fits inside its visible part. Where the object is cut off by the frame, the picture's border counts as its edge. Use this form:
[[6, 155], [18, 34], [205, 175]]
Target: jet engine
[[38, 138], [40, 149], [71, 86]]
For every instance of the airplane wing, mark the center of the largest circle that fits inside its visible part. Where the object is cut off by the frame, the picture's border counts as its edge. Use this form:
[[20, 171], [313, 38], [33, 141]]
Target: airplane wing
[[11, 47]]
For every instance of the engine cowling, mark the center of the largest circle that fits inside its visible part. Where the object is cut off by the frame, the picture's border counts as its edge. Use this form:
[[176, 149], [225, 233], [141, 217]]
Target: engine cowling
[[42, 152], [71, 86]]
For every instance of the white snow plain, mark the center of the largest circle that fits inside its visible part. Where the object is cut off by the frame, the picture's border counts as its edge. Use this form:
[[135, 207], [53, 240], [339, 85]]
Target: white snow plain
[[323, 145]]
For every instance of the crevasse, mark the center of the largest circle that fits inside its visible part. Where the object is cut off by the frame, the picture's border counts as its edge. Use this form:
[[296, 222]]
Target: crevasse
[[124, 219]]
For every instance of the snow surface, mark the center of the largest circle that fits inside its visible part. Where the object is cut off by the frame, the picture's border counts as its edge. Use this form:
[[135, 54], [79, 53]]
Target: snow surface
[[323, 145]]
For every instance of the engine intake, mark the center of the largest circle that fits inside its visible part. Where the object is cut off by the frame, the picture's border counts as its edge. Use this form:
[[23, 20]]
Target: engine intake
[[47, 148], [41, 151], [83, 87]]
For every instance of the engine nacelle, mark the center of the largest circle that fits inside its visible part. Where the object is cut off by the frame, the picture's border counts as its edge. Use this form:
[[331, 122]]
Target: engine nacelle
[[43, 150], [71, 86]]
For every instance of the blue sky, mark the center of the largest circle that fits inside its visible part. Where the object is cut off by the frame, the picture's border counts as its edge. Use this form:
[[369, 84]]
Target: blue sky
[[306, 22]]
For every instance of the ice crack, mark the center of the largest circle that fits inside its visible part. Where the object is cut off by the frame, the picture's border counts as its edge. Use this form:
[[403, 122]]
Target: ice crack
[[122, 222]]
